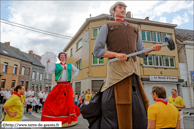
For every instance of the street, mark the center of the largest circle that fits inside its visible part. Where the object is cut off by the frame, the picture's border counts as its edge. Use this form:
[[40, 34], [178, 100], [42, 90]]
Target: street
[[83, 124]]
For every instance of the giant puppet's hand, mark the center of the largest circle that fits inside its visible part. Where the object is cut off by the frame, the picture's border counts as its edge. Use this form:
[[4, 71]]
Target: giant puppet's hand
[[157, 47], [71, 80], [121, 56], [48, 61]]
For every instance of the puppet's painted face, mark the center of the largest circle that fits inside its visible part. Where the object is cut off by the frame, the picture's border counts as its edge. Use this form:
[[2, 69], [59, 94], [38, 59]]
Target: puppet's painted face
[[62, 57], [119, 12]]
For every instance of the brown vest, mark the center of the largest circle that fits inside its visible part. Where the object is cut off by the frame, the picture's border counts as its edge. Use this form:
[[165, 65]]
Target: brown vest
[[121, 38]]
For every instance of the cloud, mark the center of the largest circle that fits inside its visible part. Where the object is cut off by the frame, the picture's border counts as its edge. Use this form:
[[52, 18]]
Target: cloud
[[66, 17], [163, 19], [177, 19]]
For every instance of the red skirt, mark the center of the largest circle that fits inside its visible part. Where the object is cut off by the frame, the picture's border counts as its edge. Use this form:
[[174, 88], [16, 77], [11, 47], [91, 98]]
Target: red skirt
[[59, 104]]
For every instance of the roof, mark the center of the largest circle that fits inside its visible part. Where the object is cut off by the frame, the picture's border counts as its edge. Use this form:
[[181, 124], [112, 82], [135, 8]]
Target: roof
[[184, 35], [33, 59], [108, 17], [16, 53], [11, 52]]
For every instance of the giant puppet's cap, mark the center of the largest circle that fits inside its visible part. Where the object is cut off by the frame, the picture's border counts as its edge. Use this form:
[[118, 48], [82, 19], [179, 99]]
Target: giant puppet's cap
[[114, 5]]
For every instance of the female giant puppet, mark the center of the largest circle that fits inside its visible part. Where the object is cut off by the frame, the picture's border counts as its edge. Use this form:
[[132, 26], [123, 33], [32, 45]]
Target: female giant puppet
[[124, 101], [59, 105]]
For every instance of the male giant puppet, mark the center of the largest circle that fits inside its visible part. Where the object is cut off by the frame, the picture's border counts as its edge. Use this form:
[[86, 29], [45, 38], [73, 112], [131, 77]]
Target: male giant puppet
[[124, 101], [59, 105]]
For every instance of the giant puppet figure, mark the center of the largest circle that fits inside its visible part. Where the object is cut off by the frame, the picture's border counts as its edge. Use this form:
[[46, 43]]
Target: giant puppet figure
[[59, 105], [124, 101]]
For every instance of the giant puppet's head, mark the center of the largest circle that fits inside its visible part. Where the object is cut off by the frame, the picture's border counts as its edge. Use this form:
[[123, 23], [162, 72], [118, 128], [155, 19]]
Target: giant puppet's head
[[118, 10], [62, 56]]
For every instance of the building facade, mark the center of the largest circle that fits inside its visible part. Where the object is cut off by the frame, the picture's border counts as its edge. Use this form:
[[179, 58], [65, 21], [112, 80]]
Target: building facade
[[9, 66], [36, 73], [185, 45], [160, 68], [25, 67]]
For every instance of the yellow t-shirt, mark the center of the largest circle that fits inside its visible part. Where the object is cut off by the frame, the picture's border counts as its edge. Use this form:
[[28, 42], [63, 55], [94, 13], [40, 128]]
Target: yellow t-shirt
[[88, 97], [23, 99], [165, 116], [15, 105], [178, 101]]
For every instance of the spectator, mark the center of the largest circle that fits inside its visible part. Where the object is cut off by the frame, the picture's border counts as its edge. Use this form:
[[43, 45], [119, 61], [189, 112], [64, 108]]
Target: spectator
[[88, 96], [14, 107], [80, 101], [178, 102], [44, 97], [31, 92], [76, 99], [29, 104], [41, 95], [83, 96], [36, 103], [162, 114]]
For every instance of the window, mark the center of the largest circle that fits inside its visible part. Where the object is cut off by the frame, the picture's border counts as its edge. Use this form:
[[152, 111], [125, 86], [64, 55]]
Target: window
[[15, 69], [37, 75], [71, 52], [78, 64], [3, 83], [41, 76], [78, 87], [79, 44], [12, 83], [47, 76], [169, 61], [156, 37], [159, 61], [95, 32], [146, 36], [163, 37], [148, 60], [5, 67], [23, 70], [22, 82], [33, 75], [97, 60]]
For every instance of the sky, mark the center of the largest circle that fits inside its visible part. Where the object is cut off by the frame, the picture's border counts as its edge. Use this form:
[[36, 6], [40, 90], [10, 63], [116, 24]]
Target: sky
[[66, 17]]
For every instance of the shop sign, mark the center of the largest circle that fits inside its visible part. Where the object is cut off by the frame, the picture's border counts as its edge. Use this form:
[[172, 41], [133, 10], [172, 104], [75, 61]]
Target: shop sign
[[164, 78]]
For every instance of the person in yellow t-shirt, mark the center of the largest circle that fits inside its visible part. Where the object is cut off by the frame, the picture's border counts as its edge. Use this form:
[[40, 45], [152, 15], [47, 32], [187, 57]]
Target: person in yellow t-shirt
[[14, 107], [178, 102], [88, 96], [162, 114]]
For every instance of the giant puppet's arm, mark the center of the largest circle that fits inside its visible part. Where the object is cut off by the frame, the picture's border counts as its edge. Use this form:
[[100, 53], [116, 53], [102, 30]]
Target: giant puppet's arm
[[99, 46], [49, 68], [140, 46], [75, 71]]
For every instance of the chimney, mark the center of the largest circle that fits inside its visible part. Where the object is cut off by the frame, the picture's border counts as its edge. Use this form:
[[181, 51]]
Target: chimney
[[7, 43], [31, 52], [128, 14], [147, 18], [90, 15]]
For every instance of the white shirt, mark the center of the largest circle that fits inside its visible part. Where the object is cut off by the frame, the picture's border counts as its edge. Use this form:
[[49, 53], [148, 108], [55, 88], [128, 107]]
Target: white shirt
[[29, 100], [8, 95], [36, 100], [40, 94], [76, 98], [51, 68], [31, 93], [44, 97]]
